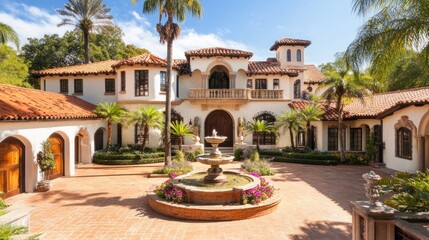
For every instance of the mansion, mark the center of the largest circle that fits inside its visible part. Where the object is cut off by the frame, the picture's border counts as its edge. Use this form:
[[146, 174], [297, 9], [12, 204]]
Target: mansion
[[212, 88]]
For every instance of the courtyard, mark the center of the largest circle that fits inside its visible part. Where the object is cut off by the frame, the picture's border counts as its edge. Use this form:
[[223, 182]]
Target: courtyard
[[109, 202]]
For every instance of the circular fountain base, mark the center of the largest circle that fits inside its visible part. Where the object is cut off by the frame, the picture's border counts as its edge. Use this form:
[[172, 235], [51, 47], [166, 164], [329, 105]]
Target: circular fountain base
[[215, 175]]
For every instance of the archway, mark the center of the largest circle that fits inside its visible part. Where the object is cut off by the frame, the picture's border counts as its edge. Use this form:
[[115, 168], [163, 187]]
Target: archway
[[12, 169], [99, 139], [219, 78], [82, 147], [57, 148], [224, 125]]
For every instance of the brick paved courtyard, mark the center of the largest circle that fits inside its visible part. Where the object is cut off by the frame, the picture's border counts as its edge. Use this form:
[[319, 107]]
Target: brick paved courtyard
[[109, 202]]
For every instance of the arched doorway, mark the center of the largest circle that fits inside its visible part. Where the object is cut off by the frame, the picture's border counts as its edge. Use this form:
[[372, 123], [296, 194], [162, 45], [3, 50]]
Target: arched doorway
[[57, 148], [219, 78], [12, 174], [224, 125], [99, 139], [82, 147]]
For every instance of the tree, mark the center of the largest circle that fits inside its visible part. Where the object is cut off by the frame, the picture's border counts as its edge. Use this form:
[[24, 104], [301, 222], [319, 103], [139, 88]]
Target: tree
[[167, 34], [397, 27], [341, 88], [146, 117], [86, 15], [112, 113], [311, 112], [181, 130], [258, 127], [290, 121], [14, 71], [7, 34]]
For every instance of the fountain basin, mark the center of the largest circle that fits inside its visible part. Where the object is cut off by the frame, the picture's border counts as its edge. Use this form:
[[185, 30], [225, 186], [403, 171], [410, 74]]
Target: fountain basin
[[207, 196], [209, 160], [215, 139]]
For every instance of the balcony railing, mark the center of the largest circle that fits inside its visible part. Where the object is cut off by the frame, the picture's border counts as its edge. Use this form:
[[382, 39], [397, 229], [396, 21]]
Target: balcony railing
[[235, 94]]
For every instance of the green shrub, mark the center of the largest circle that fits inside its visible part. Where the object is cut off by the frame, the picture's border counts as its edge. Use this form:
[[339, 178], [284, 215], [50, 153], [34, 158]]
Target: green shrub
[[307, 161], [261, 166], [198, 151], [112, 158], [179, 157], [238, 154], [255, 157], [411, 191], [178, 167], [356, 159], [113, 148], [267, 152], [190, 156], [297, 149], [312, 156], [7, 231]]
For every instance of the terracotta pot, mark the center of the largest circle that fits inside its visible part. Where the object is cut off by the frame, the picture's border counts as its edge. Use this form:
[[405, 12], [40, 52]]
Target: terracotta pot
[[44, 186]]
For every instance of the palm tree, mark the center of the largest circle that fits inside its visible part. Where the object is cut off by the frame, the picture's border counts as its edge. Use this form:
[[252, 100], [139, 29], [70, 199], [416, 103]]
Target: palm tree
[[7, 34], [290, 121], [167, 33], [181, 129], [397, 27], [258, 127], [146, 117], [86, 15], [341, 89], [311, 112], [111, 112]]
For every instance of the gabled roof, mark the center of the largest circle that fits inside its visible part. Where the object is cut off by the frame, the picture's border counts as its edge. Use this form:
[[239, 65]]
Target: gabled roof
[[17, 103], [268, 68], [217, 52], [376, 106], [313, 75], [144, 59], [103, 67], [289, 42]]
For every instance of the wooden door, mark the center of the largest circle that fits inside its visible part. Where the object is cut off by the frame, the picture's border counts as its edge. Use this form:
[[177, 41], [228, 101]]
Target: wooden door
[[222, 122], [57, 148], [11, 168], [76, 150]]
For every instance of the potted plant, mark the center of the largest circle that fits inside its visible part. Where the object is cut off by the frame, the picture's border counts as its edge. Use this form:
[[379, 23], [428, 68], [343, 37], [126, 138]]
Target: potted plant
[[45, 160]]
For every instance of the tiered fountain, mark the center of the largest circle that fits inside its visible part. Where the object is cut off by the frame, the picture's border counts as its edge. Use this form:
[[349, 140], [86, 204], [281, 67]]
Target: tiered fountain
[[215, 194]]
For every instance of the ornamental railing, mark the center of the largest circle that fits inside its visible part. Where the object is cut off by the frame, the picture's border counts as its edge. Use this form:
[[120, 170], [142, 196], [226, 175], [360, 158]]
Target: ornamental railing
[[235, 94]]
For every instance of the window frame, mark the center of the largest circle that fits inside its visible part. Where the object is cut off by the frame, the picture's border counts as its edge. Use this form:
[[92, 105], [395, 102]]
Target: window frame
[[299, 55], [109, 86], [265, 138], [261, 82], [141, 86], [297, 89], [356, 139], [123, 81], [78, 86], [333, 138], [404, 147], [99, 139], [300, 138], [288, 55], [249, 84], [276, 84], [64, 86], [162, 81]]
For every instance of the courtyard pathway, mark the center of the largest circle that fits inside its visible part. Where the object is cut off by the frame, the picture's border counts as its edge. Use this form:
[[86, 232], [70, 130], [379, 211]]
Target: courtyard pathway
[[109, 202]]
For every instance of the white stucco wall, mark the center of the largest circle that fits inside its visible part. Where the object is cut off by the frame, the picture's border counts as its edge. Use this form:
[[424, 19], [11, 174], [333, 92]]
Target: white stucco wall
[[205, 64], [32, 133], [281, 54]]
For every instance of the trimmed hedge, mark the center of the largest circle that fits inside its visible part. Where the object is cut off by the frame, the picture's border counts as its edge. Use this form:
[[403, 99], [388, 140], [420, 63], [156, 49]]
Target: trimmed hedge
[[271, 153], [112, 158], [312, 156], [306, 161]]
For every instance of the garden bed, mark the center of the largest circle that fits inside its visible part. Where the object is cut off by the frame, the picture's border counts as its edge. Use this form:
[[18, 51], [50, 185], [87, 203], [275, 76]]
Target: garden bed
[[113, 158]]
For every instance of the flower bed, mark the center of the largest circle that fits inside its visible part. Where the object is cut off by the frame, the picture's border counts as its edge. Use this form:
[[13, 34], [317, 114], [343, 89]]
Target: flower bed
[[169, 192], [259, 193]]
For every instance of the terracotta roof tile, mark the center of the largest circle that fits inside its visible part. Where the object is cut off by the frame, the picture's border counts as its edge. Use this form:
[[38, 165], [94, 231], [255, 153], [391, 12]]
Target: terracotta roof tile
[[290, 42], [144, 59], [313, 75], [217, 51], [182, 66], [264, 67], [17, 103], [376, 106], [103, 67]]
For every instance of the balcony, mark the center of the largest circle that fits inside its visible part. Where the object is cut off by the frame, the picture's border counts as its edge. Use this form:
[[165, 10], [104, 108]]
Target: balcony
[[245, 94]]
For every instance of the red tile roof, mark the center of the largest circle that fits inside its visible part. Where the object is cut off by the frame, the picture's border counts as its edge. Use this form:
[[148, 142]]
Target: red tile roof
[[17, 103], [182, 66], [217, 51], [290, 42], [313, 75], [376, 106], [144, 59], [271, 67], [103, 67]]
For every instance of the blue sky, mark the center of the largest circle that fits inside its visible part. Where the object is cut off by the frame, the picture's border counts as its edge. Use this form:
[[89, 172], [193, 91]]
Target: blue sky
[[244, 24]]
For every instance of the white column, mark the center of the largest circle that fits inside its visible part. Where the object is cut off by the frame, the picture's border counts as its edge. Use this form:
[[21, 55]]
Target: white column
[[204, 80], [232, 78]]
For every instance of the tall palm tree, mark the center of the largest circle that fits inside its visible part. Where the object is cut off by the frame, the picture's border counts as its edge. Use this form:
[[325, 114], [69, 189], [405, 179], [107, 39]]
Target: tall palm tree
[[289, 120], [171, 9], [181, 130], [341, 89], [311, 112], [396, 27], [86, 15], [258, 127], [146, 117], [112, 113], [7, 34]]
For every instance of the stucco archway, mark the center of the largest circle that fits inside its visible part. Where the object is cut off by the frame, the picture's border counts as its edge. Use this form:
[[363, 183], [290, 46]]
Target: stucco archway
[[223, 123], [82, 147], [423, 142], [219, 78]]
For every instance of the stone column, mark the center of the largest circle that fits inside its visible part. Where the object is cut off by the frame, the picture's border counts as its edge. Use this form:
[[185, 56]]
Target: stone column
[[204, 80]]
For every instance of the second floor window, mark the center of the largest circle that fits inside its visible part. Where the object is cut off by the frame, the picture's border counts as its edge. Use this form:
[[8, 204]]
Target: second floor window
[[123, 83], [297, 89], [78, 86], [64, 86], [110, 85], [162, 80], [288, 55], [142, 83], [276, 84], [261, 84], [249, 84], [298, 55]]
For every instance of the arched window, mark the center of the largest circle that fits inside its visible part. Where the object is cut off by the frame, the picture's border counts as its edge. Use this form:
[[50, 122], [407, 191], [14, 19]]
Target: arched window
[[99, 139], [298, 55], [300, 138], [175, 116], [288, 55], [297, 89], [403, 143], [266, 138]]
